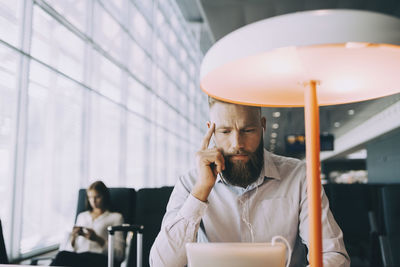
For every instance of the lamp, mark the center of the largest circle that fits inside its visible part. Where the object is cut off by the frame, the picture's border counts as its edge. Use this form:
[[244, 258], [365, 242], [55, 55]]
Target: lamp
[[311, 58]]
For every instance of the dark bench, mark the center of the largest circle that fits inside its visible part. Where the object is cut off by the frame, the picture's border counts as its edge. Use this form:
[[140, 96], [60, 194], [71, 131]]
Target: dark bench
[[365, 212]]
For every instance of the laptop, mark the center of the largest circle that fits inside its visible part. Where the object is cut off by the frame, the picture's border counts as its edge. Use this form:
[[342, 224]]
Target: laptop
[[236, 254]]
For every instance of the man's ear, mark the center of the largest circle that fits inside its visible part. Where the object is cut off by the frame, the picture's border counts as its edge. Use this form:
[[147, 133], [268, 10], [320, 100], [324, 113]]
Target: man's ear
[[264, 123]]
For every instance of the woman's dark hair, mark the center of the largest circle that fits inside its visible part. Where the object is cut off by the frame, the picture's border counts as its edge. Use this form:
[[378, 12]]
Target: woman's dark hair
[[102, 190]]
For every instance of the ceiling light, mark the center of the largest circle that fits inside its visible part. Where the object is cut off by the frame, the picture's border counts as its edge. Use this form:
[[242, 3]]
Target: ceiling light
[[360, 154], [275, 126], [336, 124], [350, 112], [274, 135], [276, 114]]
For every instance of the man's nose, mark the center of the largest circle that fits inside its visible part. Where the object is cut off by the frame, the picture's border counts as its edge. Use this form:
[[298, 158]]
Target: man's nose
[[236, 141]]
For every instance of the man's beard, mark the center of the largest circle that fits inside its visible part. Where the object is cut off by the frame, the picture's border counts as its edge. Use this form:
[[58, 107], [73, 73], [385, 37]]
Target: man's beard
[[241, 173]]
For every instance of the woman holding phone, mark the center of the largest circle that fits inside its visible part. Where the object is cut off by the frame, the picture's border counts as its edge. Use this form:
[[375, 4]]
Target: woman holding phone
[[87, 244]]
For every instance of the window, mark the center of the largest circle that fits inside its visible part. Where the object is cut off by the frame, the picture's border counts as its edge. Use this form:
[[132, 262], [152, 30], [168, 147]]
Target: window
[[107, 91], [53, 157], [8, 107], [73, 10], [139, 63], [137, 160], [138, 97], [107, 33], [49, 45], [10, 21], [105, 130], [106, 77], [140, 28]]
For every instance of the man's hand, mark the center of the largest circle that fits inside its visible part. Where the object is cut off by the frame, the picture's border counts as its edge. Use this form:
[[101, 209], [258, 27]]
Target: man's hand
[[210, 162]]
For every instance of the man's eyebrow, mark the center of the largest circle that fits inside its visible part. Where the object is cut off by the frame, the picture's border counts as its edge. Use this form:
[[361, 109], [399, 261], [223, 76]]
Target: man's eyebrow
[[253, 125], [223, 127]]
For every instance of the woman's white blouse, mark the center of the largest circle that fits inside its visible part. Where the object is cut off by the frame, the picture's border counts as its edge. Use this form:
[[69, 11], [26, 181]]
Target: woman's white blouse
[[99, 225]]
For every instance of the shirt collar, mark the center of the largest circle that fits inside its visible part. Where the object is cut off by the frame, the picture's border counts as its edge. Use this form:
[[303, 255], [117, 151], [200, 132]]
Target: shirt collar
[[268, 171]]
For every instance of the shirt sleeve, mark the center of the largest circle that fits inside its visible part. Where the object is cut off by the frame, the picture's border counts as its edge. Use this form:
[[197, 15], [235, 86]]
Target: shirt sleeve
[[334, 253], [179, 226]]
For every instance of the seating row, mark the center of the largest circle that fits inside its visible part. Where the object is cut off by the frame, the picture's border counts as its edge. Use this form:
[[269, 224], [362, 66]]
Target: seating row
[[369, 215], [144, 207]]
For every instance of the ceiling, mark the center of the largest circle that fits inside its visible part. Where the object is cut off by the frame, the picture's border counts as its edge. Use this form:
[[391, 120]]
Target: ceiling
[[220, 17]]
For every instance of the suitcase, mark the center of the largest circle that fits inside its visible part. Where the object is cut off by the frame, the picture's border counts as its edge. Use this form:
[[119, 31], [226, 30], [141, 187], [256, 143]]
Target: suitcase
[[138, 229]]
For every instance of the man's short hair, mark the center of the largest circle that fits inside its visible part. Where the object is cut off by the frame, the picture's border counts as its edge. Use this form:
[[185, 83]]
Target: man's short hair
[[212, 101]]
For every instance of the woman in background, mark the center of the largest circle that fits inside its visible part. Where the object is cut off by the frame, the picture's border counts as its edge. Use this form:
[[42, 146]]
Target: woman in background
[[87, 245]]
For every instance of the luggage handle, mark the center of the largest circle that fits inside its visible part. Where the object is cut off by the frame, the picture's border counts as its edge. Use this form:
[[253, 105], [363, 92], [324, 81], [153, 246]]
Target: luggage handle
[[125, 228]]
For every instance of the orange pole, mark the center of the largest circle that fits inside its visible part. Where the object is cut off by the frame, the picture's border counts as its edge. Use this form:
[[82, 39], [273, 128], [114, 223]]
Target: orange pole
[[311, 115]]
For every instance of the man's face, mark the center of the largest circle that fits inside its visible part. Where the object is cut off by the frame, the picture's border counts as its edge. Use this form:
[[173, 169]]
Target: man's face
[[239, 133]]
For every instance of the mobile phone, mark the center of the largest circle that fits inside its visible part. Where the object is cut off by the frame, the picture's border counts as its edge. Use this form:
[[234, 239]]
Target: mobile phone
[[80, 229]]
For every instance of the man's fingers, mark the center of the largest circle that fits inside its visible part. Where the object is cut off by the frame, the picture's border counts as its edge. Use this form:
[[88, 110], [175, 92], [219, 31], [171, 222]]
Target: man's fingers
[[207, 137], [220, 163]]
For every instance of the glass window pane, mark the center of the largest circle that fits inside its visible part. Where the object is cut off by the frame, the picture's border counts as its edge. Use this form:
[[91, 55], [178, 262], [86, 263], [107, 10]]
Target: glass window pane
[[53, 158], [10, 21], [161, 54], [173, 96], [140, 28], [107, 33], [106, 77], [138, 97], [8, 106], [162, 86], [172, 39], [105, 129], [159, 164], [173, 67], [183, 56], [73, 10], [137, 159], [118, 9], [49, 45], [145, 7], [139, 63]]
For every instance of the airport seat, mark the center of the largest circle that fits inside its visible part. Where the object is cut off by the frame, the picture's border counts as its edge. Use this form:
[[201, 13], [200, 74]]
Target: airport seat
[[3, 252], [146, 207], [389, 240], [122, 201], [151, 204], [349, 204]]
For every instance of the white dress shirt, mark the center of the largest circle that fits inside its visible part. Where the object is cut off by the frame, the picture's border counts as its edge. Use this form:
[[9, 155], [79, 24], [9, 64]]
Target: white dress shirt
[[275, 204], [99, 225]]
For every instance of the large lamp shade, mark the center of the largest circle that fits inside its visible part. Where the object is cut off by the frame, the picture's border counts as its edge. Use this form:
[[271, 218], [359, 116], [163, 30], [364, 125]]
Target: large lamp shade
[[311, 58]]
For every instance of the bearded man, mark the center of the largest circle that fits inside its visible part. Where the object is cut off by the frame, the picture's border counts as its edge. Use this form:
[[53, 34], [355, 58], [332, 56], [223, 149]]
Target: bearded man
[[240, 192]]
